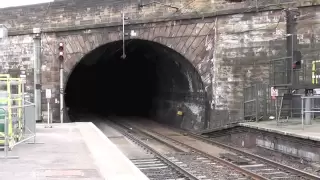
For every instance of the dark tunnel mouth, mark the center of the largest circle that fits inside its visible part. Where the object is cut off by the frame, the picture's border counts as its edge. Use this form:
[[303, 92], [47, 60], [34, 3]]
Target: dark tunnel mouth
[[102, 83]]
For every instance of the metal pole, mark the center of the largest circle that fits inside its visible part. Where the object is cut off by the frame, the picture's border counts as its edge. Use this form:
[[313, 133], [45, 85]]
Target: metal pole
[[276, 104], [257, 102], [123, 43], [291, 43], [302, 112], [23, 103], [308, 114], [6, 143], [61, 93], [37, 75], [293, 77]]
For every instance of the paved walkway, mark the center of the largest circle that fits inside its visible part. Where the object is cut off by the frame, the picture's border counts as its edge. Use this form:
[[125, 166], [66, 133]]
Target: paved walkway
[[291, 128], [69, 151]]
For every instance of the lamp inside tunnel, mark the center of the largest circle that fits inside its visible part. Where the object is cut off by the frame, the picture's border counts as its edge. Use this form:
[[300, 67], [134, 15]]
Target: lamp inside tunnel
[[104, 83]]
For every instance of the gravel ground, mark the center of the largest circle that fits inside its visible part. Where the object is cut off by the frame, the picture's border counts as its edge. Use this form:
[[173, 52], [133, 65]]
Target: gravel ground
[[205, 168]]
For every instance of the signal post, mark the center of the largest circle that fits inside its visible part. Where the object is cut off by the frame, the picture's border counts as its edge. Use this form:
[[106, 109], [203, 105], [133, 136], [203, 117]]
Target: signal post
[[61, 60]]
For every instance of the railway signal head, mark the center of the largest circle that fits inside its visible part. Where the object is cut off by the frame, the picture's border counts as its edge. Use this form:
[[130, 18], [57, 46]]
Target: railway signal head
[[297, 65], [61, 52]]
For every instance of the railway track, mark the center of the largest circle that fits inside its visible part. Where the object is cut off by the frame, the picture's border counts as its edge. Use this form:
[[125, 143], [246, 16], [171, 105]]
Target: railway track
[[258, 163], [189, 165], [155, 168], [160, 167], [196, 163], [252, 165]]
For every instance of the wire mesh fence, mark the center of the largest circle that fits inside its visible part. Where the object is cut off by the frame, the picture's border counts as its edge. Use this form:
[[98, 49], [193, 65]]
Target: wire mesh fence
[[260, 105], [257, 103]]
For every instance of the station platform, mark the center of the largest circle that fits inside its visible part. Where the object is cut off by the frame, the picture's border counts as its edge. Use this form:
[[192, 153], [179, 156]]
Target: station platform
[[293, 127], [69, 151]]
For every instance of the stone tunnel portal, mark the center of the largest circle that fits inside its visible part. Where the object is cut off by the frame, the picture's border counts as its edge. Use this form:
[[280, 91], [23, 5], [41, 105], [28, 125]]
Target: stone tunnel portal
[[153, 81]]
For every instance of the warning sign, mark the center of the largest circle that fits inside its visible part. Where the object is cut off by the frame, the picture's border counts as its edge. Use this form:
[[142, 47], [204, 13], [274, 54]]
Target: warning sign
[[274, 92]]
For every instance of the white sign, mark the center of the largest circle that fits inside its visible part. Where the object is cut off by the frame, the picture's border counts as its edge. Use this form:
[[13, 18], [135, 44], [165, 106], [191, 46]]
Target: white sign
[[48, 93], [274, 92], [3, 32], [133, 33], [316, 91], [36, 30]]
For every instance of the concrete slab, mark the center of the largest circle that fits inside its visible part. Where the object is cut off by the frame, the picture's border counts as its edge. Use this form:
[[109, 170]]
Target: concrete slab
[[69, 151], [291, 128]]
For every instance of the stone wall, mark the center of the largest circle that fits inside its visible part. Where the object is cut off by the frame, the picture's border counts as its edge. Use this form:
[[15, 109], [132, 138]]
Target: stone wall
[[187, 38], [229, 48], [73, 14], [244, 45], [16, 55]]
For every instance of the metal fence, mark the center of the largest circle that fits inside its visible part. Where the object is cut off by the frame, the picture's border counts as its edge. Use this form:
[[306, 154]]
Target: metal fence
[[282, 74], [20, 128], [257, 102], [260, 105]]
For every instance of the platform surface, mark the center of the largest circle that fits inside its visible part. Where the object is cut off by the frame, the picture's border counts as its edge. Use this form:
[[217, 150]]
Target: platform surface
[[69, 151], [291, 128], [127, 147]]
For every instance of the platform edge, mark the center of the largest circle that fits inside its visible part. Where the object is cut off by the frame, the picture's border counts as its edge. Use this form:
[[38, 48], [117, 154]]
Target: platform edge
[[136, 170], [280, 132]]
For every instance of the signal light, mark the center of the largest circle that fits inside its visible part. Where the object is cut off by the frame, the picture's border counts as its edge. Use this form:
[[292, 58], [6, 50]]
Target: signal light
[[61, 54], [61, 47], [297, 65]]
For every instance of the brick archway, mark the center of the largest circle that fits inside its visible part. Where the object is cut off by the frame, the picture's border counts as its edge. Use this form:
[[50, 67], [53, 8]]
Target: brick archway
[[168, 81]]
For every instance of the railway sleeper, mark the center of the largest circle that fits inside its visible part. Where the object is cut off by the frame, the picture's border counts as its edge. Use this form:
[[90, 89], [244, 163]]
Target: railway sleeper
[[235, 159]]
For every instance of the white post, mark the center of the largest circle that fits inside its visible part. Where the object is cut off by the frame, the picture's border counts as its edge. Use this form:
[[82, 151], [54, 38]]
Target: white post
[[48, 103], [48, 96]]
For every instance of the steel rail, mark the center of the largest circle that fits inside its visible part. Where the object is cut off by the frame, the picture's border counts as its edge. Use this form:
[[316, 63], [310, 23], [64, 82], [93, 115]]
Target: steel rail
[[254, 156], [153, 151], [270, 162], [222, 161]]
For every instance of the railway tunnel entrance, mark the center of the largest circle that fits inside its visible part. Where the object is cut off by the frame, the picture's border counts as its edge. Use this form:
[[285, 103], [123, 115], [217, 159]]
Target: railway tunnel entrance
[[153, 82]]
